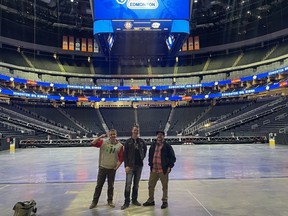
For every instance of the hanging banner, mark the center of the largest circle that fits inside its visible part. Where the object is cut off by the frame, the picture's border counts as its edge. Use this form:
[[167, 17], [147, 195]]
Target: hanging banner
[[96, 47], [190, 43], [90, 47], [65, 43], [77, 44], [84, 45], [184, 46], [71, 43], [196, 43]]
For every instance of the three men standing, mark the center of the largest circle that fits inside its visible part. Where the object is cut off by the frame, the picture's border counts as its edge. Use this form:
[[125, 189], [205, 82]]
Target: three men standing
[[161, 160]]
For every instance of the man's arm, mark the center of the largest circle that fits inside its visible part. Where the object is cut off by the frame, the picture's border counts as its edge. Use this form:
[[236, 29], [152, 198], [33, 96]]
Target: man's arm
[[125, 153], [97, 142], [120, 157], [150, 154], [145, 149], [172, 157], [126, 156]]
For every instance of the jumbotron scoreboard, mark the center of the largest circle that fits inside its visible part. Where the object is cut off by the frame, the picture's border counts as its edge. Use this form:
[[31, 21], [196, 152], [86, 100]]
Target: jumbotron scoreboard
[[128, 21]]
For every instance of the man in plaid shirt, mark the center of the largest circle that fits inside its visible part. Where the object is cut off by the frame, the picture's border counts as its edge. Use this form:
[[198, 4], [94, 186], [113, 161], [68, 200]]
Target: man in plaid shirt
[[161, 160]]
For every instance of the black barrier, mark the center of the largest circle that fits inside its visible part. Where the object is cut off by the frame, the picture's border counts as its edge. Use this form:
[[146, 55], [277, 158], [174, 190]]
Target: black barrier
[[148, 140], [281, 138], [4, 144]]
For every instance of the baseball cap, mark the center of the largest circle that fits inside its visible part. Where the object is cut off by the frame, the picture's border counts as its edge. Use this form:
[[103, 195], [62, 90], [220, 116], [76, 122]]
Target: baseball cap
[[160, 131]]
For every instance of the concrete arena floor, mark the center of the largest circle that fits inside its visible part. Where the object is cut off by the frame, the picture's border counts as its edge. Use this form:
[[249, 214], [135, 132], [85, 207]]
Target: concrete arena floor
[[218, 180]]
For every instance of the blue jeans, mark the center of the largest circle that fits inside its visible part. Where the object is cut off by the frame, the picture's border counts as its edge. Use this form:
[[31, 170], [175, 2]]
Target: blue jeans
[[135, 175]]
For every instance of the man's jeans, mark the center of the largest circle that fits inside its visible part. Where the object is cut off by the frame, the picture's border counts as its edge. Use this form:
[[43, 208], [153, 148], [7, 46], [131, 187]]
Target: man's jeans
[[135, 175], [102, 174]]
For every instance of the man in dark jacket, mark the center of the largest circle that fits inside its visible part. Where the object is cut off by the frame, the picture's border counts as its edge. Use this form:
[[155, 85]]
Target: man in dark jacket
[[134, 152], [161, 160]]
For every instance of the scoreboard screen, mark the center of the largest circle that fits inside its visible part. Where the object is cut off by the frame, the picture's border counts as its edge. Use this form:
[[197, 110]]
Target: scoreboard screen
[[141, 9]]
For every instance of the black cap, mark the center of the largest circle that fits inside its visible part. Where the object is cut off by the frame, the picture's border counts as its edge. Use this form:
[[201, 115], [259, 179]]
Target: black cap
[[160, 131]]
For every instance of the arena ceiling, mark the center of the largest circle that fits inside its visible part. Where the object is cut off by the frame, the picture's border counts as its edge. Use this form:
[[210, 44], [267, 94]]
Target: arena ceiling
[[77, 14], [218, 13], [206, 16]]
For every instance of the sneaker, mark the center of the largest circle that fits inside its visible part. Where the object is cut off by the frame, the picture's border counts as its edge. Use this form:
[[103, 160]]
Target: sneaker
[[111, 204], [126, 205], [92, 205], [164, 205], [136, 203], [149, 203]]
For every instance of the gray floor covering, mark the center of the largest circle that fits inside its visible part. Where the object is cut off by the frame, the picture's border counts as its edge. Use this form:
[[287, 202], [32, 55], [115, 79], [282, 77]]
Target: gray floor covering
[[218, 180]]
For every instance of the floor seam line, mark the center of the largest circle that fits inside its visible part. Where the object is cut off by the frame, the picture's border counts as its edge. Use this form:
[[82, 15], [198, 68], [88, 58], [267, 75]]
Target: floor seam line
[[200, 203]]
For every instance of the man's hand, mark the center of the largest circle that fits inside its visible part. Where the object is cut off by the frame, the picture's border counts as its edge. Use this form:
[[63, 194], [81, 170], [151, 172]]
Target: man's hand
[[169, 170], [127, 169], [94, 142], [118, 165], [103, 136]]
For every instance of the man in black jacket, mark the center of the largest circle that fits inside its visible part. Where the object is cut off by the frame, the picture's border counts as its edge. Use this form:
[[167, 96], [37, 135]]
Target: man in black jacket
[[161, 160], [134, 152]]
